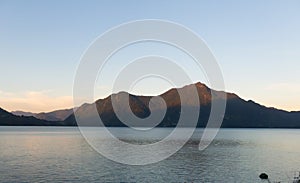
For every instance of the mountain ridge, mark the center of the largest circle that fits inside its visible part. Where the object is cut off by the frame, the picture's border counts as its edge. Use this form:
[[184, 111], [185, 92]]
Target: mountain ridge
[[57, 115], [239, 112], [9, 119]]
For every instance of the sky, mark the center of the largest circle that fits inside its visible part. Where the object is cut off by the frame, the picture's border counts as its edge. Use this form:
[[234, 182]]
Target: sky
[[256, 43]]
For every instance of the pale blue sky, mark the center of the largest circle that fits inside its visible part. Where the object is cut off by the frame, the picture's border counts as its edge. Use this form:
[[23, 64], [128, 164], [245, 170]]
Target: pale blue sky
[[257, 44]]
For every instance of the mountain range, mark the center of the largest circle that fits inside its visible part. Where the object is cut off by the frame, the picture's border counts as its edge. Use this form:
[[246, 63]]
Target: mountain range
[[9, 119], [239, 112], [57, 115]]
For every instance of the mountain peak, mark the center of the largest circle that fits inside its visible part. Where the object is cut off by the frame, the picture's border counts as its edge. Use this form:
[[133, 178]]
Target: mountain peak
[[199, 85]]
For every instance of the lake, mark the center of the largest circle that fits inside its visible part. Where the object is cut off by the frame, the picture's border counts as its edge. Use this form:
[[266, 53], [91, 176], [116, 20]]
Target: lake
[[61, 154]]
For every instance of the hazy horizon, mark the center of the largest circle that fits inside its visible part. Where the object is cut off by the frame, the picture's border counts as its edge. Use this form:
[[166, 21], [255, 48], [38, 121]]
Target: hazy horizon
[[137, 94]]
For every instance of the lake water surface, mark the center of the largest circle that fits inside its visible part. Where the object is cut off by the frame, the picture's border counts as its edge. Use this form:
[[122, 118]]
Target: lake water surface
[[61, 154]]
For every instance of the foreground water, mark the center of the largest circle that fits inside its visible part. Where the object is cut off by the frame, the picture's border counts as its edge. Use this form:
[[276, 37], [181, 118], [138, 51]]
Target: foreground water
[[60, 154]]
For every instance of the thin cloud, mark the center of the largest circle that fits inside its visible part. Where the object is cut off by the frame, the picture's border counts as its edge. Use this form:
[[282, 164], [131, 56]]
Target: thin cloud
[[34, 101]]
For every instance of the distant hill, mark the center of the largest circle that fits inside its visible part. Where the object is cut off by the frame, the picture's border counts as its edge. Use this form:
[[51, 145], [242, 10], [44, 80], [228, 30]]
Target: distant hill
[[239, 113], [22, 113], [58, 115], [8, 119]]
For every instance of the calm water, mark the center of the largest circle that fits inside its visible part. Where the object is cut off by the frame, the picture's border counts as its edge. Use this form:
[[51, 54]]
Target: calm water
[[43, 154]]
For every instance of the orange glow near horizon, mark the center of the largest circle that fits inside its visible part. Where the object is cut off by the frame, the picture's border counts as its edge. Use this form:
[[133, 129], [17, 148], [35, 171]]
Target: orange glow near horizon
[[41, 102], [34, 102]]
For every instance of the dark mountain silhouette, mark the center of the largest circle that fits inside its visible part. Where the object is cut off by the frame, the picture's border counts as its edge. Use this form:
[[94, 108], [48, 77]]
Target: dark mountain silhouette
[[57, 115], [239, 113], [8, 119]]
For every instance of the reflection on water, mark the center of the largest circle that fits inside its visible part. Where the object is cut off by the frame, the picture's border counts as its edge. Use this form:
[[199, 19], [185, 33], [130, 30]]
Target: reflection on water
[[33, 154]]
